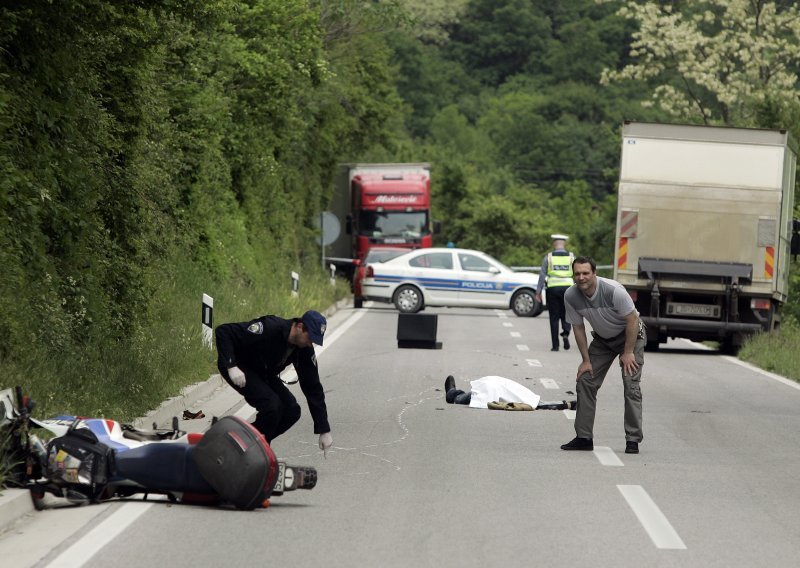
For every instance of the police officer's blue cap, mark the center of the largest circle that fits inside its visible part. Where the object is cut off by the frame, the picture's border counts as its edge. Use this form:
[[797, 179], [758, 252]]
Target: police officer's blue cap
[[315, 324]]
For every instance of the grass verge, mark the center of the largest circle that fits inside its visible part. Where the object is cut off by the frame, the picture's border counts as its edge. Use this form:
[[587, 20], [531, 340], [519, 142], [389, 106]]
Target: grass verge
[[776, 352], [126, 379]]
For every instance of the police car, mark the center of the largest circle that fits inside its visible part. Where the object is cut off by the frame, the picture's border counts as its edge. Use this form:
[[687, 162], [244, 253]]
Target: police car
[[450, 277]]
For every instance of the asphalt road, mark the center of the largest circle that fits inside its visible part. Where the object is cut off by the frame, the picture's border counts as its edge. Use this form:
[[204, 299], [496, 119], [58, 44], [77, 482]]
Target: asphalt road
[[413, 481]]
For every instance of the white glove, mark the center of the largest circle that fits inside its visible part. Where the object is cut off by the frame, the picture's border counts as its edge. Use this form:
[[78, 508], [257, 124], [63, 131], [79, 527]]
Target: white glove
[[237, 376], [325, 443]]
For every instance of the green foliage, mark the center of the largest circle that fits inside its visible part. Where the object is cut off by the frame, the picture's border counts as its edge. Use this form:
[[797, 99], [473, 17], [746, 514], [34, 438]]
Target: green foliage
[[154, 151], [145, 143]]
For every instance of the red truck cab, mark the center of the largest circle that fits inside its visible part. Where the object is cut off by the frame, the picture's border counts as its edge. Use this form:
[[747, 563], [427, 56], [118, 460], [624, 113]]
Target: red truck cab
[[390, 209]]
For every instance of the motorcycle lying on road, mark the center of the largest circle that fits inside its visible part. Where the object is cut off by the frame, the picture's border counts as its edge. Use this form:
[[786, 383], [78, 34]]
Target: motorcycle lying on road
[[89, 460]]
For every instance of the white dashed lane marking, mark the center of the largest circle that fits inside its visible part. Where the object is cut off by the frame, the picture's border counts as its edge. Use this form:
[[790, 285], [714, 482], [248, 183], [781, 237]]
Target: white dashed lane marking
[[606, 456], [534, 362], [549, 383], [522, 347], [515, 334], [653, 520], [508, 324]]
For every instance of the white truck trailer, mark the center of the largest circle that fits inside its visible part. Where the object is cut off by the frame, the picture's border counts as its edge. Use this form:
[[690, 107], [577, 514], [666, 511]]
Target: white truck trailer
[[704, 229]]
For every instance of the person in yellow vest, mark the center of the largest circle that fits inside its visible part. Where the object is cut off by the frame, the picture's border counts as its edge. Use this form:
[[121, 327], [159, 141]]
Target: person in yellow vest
[[557, 268]]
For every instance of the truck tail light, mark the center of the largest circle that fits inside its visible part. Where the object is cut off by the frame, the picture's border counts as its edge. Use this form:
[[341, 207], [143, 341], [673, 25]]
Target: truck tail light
[[759, 304], [369, 273]]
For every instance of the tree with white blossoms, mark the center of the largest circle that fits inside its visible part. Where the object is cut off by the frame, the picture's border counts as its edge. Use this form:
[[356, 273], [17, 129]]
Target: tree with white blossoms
[[733, 62]]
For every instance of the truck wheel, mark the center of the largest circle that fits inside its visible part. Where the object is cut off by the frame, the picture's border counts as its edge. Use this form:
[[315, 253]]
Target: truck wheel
[[652, 345], [408, 299], [524, 304], [728, 347], [358, 302]]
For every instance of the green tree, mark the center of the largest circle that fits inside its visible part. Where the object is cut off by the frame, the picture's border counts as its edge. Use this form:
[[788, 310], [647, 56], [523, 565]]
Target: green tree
[[727, 61]]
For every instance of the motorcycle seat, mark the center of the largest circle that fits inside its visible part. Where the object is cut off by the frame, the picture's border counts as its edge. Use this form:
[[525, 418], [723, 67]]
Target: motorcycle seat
[[162, 467]]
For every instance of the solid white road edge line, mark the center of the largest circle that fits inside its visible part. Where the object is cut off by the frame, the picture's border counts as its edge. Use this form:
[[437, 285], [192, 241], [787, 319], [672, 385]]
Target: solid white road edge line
[[773, 376], [80, 552], [246, 412], [607, 456], [652, 519], [746, 365]]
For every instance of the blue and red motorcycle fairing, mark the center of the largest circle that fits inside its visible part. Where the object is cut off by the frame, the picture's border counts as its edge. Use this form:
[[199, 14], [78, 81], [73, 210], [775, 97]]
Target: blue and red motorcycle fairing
[[95, 459]]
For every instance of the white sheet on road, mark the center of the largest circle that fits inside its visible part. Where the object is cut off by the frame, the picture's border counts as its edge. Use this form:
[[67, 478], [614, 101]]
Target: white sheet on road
[[499, 389]]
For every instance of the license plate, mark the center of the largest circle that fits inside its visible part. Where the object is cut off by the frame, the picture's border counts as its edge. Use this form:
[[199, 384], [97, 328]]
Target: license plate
[[281, 474], [693, 310]]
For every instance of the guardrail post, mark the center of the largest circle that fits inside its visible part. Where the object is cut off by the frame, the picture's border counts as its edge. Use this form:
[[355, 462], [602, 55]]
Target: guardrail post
[[295, 284], [207, 321], [332, 268]]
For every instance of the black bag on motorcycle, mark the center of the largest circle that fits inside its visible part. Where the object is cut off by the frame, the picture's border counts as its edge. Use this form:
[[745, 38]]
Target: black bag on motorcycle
[[237, 462], [78, 460]]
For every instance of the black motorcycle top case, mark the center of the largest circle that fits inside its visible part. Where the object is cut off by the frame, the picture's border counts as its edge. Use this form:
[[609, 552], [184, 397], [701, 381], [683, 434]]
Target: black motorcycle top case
[[237, 462]]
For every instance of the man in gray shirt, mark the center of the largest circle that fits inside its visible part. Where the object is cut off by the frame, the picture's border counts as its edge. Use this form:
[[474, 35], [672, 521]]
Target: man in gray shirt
[[617, 332]]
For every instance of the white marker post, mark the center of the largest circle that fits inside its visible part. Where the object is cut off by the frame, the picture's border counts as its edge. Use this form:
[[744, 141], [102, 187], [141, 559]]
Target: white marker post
[[207, 321], [295, 284], [333, 274]]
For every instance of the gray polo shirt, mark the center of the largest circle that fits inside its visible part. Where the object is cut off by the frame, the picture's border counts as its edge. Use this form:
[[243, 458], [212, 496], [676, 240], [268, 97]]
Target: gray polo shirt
[[605, 310]]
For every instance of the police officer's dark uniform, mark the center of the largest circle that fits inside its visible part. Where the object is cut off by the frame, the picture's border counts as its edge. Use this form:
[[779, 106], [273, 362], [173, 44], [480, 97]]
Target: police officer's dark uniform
[[557, 266], [260, 348]]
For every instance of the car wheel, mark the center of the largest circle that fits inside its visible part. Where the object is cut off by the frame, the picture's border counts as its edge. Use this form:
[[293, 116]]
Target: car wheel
[[524, 304], [358, 302], [408, 299]]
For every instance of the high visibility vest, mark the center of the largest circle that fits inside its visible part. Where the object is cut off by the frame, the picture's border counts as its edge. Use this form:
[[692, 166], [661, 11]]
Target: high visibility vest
[[559, 270]]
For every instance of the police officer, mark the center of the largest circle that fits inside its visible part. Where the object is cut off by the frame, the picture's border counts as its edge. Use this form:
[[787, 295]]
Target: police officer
[[557, 266], [251, 356]]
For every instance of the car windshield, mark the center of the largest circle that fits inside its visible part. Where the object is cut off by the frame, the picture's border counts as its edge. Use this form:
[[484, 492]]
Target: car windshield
[[393, 223], [382, 255]]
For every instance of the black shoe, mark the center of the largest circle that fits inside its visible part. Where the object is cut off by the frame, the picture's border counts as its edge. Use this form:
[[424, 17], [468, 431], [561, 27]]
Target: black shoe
[[631, 447], [584, 444], [566, 343], [554, 349], [449, 383]]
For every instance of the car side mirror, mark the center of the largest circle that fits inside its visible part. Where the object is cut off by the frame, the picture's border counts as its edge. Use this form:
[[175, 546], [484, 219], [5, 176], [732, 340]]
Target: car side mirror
[[494, 270], [357, 261]]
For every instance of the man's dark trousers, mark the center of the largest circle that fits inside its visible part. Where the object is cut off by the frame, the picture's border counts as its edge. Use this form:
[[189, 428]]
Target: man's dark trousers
[[557, 312], [276, 405]]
